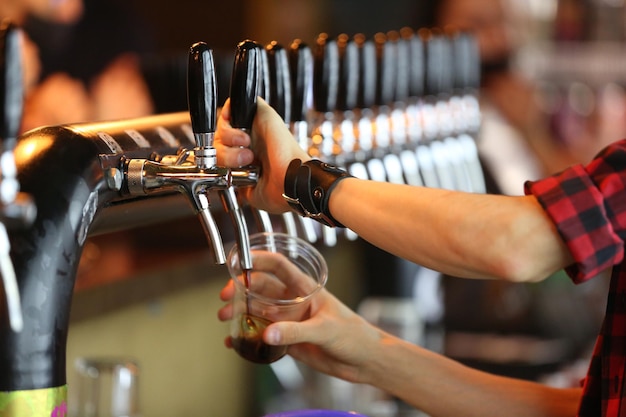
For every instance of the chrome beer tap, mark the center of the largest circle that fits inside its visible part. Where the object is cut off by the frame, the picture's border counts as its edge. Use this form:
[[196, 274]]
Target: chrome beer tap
[[366, 97], [394, 61], [249, 79], [300, 60], [347, 103], [467, 113], [385, 88], [280, 100], [414, 49], [196, 174], [325, 87]]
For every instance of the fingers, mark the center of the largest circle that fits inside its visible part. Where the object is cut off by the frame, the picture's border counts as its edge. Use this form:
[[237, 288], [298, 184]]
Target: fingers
[[231, 144], [286, 271], [227, 293], [225, 313]]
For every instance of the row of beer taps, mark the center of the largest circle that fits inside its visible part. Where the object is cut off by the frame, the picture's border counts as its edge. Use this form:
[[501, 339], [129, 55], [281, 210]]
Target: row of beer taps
[[400, 107]]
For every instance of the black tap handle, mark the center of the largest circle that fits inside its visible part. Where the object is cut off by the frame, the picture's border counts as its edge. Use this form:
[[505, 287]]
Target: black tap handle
[[367, 71], [201, 88], [244, 84], [301, 70], [325, 74], [12, 85], [439, 75], [401, 58], [385, 57], [348, 73], [280, 81], [265, 91], [466, 61], [415, 63]]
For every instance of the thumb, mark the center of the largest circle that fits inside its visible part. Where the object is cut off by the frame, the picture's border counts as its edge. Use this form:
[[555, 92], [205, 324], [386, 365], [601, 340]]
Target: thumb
[[287, 333]]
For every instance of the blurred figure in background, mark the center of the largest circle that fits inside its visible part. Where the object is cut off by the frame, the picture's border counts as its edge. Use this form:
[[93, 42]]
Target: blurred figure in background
[[516, 143], [81, 60], [515, 140]]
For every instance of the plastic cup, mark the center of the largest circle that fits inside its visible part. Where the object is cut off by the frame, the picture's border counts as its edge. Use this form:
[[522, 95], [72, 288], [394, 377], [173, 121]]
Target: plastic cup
[[287, 272]]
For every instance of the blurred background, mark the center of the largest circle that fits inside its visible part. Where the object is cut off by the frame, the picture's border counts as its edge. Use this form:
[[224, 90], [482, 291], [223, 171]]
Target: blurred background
[[552, 94]]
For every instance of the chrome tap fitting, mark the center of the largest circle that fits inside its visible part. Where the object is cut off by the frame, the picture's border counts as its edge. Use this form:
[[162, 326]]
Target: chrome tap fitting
[[196, 174]]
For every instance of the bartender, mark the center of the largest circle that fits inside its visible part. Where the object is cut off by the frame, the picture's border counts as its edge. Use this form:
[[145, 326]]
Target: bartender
[[573, 220]]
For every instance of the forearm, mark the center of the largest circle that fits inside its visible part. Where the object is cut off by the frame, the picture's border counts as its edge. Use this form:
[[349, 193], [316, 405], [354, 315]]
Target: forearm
[[462, 234], [442, 387]]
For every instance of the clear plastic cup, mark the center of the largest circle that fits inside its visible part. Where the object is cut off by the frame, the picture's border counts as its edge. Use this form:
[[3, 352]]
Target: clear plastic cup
[[286, 274]]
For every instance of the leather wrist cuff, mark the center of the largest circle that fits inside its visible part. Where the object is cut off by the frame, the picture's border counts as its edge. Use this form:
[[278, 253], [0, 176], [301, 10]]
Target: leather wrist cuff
[[308, 186]]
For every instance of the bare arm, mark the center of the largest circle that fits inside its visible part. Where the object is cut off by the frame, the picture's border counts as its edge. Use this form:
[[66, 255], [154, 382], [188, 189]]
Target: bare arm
[[462, 234], [442, 387], [337, 341]]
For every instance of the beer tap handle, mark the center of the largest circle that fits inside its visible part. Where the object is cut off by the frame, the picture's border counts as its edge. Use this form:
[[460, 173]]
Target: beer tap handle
[[348, 73], [280, 82], [367, 72], [386, 81], [325, 74], [250, 79], [347, 100], [281, 100], [301, 72], [325, 88], [202, 101], [245, 84], [300, 60]]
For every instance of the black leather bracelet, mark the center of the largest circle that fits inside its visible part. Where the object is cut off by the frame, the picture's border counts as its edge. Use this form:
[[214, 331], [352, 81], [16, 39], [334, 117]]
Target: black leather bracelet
[[308, 186]]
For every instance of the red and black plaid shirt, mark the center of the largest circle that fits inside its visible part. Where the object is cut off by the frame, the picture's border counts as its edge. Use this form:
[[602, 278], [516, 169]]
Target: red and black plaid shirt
[[588, 206]]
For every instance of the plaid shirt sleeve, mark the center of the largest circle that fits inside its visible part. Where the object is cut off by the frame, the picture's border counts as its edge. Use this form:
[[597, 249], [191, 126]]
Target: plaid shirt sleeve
[[588, 207]]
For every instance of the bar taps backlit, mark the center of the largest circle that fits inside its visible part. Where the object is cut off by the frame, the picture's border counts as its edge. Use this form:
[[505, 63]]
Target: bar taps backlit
[[196, 174], [300, 61], [325, 88]]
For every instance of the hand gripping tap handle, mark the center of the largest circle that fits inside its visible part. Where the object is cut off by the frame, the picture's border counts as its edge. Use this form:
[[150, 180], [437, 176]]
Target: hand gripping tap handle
[[249, 79], [245, 84], [301, 73]]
